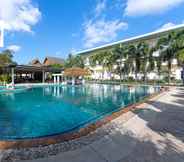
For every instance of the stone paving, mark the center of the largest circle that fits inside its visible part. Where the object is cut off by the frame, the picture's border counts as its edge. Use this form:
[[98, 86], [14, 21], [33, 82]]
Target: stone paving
[[155, 134]]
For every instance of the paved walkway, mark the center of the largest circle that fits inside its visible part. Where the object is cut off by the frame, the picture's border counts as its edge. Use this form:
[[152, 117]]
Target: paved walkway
[[152, 135]]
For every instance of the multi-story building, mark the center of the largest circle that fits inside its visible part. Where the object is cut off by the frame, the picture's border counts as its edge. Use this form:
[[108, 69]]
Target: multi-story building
[[99, 72]]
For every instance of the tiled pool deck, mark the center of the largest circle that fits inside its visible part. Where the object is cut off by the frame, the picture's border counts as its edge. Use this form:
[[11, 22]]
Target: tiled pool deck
[[152, 134]]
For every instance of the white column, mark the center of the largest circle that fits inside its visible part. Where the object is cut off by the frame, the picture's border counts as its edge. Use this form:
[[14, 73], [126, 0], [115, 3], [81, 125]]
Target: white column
[[58, 79], [73, 80], [13, 79], [54, 79]]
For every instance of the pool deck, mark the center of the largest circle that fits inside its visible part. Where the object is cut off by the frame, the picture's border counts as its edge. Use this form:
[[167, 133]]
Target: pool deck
[[154, 134]]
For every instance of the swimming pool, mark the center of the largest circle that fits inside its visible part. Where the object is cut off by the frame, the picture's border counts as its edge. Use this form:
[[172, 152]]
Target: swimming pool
[[2, 87], [50, 110]]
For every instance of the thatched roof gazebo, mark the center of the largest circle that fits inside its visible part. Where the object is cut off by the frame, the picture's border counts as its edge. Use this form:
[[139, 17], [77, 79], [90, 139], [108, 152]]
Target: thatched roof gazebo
[[76, 72]]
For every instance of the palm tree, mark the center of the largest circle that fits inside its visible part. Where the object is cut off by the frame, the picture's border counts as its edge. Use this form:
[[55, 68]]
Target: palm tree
[[128, 60], [168, 46], [74, 61], [119, 53], [69, 61], [180, 47], [109, 61], [79, 62], [134, 59], [159, 61], [143, 55], [93, 60], [98, 59], [180, 51], [151, 60], [180, 58]]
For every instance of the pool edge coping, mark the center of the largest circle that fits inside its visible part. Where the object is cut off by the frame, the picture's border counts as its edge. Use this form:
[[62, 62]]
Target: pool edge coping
[[49, 140]]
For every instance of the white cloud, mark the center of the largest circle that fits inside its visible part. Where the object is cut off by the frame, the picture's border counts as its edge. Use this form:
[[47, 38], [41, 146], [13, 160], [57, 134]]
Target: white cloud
[[145, 7], [101, 5], [18, 15], [102, 31], [168, 26], [14, 48], [98, 29]]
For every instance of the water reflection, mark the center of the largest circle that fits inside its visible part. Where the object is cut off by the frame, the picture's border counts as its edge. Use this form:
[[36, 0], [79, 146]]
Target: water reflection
[[96, 94]]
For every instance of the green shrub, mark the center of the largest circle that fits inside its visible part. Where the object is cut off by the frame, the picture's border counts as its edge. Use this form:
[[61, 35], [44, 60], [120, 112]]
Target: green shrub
[[5, 78]]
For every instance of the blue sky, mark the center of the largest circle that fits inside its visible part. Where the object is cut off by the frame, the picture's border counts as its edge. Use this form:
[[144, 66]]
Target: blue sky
[[39, 28]]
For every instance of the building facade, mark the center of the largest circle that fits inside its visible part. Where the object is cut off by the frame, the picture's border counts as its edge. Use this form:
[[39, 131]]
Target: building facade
[[99, 72]]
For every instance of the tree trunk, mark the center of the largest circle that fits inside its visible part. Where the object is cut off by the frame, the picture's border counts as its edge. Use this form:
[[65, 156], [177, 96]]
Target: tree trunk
[[120, 75], [169, 77], [159, 76], [169, 72], [145, 77], [136, 77]]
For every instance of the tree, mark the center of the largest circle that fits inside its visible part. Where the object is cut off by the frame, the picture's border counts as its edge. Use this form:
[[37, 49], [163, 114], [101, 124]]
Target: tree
[[6, 58], [109, 61], [168, 47], [151, 60], [143, 56], [134, 59], [57, 65], [120, 54], [180, 57], [103, 60], [74, 61], [93, 59], [128, 64], [180, 48], [78, 62], [99, 59], [159, 61]]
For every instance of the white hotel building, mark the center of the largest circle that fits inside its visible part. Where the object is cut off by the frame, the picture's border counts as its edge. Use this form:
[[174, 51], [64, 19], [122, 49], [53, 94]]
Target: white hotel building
[[150, 38]]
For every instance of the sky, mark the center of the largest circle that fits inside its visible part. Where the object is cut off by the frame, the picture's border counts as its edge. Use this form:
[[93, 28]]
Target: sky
[[40, 28]]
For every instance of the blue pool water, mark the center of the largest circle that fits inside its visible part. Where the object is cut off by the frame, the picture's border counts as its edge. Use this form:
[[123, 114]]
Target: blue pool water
[[2, 87], [50, 110]]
